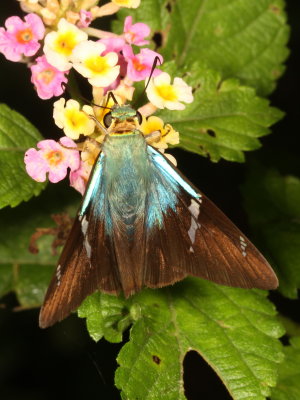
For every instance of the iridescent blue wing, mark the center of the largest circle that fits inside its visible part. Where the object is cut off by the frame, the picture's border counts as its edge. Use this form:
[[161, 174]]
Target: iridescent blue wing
[[195, 238]]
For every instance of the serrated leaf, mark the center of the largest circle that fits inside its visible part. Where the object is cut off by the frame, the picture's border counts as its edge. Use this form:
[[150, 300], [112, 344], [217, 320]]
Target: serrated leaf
[[244, 39], [234, 330], [21, 271], [17, 135], [105, 316], [274, 216], [288, 385], [225, 118]]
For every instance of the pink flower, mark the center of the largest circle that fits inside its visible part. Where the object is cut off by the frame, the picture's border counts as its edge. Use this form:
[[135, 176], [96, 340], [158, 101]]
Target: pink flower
[[135, 34], [85, 18], [52, 158], [79, 178], [114, 44], [47, 79], [21, 38], [140, 65]]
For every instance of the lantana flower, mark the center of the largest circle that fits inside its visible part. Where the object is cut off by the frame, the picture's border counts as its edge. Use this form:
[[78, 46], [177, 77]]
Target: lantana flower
[[47, 79], [59, 45], [85, 18], [140, 65], [127, 3], [21, 38], [79, 178], [53, 158], [136, 33], [163, 94], [168, 135], [100, 70], [72, 120], [116, 44]]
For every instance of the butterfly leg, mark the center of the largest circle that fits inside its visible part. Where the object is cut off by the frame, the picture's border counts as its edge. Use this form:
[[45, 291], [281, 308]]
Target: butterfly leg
[[153, 137]]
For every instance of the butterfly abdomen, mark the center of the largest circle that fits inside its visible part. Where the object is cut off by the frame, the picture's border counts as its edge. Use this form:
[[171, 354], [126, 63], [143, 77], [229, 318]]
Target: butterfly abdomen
[[127, 173]]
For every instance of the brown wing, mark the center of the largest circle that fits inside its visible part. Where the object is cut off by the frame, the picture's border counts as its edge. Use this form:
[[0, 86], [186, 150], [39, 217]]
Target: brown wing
[[87, 263], [198, 239]]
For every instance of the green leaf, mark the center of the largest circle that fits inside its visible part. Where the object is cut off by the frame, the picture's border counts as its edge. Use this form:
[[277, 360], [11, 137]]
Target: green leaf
[[243, 39], [106, 316], [21, 271], [288, 386], [224, 120], [234, 330], [17, 135], [274, 216], [29, 282]]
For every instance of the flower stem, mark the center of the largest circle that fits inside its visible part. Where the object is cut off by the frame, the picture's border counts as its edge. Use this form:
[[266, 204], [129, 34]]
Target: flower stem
[[73, 88], [98, 33]]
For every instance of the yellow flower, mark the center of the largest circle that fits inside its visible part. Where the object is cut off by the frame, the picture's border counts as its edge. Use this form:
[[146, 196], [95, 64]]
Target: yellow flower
[[72, 120], [168, 135], [59, 45], [163, 94], [101, 71], [90, 152], [127, 3]]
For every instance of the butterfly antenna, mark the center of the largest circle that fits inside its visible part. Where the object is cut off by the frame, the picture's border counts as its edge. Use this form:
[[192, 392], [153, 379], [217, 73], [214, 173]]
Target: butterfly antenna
[[154, 65], [84, 99], [111, 95]]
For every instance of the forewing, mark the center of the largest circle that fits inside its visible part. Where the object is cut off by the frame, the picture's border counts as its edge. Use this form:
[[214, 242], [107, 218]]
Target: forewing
[[87, 262], [198, 239]]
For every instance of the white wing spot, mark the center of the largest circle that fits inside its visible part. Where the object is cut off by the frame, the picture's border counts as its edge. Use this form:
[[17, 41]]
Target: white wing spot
[[243, 245], [58, 274], [199, 197], [84, 228], [194, 208]]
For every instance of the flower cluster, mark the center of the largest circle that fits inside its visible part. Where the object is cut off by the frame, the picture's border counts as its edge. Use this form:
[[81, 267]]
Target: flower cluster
[[55, 39]]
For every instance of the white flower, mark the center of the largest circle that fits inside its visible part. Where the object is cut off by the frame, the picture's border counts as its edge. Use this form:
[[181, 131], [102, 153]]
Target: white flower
[[72, 120], [101, 71], [163, 94], [59, 45]]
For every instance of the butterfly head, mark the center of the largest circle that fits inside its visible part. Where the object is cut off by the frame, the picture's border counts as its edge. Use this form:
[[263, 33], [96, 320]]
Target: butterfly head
[[122, 120]]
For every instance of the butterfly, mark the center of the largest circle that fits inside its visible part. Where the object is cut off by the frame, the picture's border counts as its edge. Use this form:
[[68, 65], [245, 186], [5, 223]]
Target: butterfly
[[143, 224]]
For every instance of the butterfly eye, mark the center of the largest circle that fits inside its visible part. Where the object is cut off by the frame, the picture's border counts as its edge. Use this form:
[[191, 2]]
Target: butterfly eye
[[107, 119], [139, 117]]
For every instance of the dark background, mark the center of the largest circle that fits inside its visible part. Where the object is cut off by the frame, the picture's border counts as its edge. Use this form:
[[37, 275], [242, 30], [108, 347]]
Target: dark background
[[63, 362]]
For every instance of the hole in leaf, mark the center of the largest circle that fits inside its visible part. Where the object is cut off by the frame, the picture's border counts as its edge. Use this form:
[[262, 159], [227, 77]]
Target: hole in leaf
[[157, 39], [211, 133], [169, 7], [156, 359], [285, 340], [275, 9], [200, 380]]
